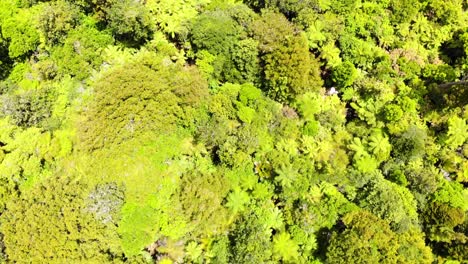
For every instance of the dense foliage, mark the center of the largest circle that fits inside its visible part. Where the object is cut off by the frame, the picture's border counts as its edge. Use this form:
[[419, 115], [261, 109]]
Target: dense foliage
[[227, 131]]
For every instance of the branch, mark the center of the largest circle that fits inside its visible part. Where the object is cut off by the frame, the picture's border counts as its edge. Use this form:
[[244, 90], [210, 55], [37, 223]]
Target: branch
[[447, 85]]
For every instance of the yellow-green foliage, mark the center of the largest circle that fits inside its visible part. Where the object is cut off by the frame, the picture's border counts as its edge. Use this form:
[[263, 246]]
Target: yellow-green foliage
[[168, 207], [228, 131], [19, 28], [368, 238], [49, 223], [173, 16], [81, 51], [27, 156], [147, 213], [201, 197], [140, 98]]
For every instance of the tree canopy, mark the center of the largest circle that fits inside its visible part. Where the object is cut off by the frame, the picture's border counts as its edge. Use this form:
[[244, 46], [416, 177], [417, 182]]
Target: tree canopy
[[230, 131]]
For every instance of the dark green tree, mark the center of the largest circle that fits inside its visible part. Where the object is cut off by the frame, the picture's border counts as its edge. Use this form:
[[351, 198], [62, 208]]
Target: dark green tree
[[129, 21], [55, 20], [28, 108]]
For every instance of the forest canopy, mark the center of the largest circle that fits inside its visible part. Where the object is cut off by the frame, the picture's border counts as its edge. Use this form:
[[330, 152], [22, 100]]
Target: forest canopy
[[229, 131]]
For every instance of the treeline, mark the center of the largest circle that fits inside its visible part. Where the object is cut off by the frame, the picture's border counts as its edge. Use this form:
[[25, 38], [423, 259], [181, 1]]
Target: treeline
[[226, 131]]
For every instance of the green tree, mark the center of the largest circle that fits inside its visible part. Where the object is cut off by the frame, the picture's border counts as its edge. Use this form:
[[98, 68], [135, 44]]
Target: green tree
[[413, 248], [55, 20], [237, 200], [138, 99], [28, 156], [366, 238], [380, 145], [285, 248], [250, 240], [287, 174], [410, 144], [344, 74], [289, 69], [22, 35], [457, 132], [201, 196], [215, 32], [82, 50], [234, 58], [359, 52], [28, 108], [129, 21], [391, 202], [173, 17], [245, 62], [49, 222], [440, 220]]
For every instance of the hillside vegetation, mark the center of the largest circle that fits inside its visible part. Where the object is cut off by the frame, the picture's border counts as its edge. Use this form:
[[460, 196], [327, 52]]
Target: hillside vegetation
[[228, 131]]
